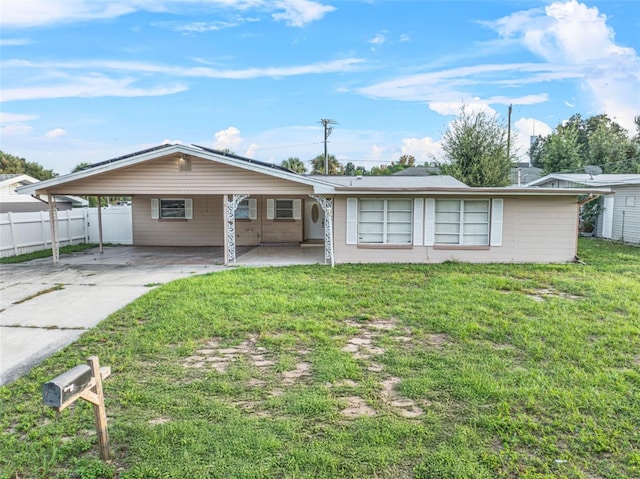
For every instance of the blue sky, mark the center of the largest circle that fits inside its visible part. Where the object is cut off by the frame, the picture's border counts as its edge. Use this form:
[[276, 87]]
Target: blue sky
[[88, 80]]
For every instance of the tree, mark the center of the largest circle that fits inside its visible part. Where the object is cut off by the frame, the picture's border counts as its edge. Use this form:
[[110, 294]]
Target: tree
[[352, 170], [561, 151], [294, 164], [475, 146], [81, 166], [10, 164], [335, 167], [598, 140]]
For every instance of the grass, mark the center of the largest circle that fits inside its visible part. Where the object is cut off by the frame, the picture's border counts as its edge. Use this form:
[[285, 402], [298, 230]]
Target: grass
[[46, 253], [386, 371]]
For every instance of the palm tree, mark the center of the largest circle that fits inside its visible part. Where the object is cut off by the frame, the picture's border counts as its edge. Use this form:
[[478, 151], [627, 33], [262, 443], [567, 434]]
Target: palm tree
[[335, 167], [294, 164]]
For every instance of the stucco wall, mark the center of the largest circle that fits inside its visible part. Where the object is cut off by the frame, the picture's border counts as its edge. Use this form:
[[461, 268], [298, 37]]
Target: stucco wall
[[540, 230]]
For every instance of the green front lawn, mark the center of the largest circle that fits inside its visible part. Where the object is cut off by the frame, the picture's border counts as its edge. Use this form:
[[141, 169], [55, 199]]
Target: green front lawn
[[385, 371]]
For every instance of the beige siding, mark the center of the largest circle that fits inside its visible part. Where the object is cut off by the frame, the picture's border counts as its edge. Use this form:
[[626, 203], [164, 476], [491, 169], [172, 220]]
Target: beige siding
[[207, 226], [626, 214], [162, 176], [536, 230], [205, 229]]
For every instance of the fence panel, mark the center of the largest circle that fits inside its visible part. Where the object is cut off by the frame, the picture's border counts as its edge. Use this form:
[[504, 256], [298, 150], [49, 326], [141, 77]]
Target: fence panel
[[27, 232], [116, 225]]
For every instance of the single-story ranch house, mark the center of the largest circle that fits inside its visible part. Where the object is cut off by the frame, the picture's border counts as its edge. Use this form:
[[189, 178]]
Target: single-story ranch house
[[194, 196]]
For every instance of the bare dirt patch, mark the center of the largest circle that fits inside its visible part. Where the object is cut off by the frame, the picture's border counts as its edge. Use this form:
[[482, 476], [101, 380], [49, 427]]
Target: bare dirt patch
[[546, 293], [357, 407]]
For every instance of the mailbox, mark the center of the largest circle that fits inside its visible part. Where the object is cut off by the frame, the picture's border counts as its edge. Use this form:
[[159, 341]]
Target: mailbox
[[58, 390]]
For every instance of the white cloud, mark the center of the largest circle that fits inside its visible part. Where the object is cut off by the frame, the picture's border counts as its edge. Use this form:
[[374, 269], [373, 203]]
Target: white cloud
[[87, 87], [378, 39], [167, 141], [422, 149], [473, 105], [23, 14], [405, 38], [14, 42], [524, 129], [228, 139], [251, 151], [15, 117], [56, 133], [15, 129], [298, 13], [376, 153], [577, 36]]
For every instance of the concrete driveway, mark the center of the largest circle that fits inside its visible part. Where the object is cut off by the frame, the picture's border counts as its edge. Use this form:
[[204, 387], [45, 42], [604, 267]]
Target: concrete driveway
[[45, 307]]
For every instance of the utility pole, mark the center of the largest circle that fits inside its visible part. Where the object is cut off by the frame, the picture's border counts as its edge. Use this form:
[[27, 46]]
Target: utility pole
[[509, 134], [327, 131]]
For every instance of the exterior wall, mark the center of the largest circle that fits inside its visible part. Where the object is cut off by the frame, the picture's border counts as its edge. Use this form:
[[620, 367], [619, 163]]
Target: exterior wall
[[205, 229], [163, 176], [535, 230], [207, 226], [626, 214]]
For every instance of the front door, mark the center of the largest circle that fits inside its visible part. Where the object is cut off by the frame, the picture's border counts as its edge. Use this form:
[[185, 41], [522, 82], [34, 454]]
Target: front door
[[313, 221]]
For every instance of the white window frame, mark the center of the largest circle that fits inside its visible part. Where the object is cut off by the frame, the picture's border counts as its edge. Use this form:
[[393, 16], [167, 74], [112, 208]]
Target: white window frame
[[386, 223], [247, 209], [157, 209], [461, 223], [279, 210]]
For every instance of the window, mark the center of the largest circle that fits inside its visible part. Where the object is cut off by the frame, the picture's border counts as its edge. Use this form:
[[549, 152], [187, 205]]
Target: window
[[172, 208], [247, 209], [385, 221], [284, 209], [242, 211], [462, 222]]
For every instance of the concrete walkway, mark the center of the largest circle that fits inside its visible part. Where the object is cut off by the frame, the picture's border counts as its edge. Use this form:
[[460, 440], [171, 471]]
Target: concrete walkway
[[45, 307]]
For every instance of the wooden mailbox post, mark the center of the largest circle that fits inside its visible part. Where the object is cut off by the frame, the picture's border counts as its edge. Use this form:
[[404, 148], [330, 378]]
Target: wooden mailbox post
[[82, 382]]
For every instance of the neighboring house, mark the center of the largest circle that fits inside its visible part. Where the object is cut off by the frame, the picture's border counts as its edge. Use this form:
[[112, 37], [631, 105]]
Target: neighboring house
[[523, 173], [620, 215], [11, 201], [195, 196]]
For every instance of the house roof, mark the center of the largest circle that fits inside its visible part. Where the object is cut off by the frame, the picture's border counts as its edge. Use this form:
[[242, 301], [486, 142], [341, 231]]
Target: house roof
[[393, 182], [27, 180], [327, 185], [585, 179]]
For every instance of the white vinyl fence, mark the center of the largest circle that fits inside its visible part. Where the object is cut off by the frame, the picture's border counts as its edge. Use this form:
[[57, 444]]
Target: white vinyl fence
[[26, 232]]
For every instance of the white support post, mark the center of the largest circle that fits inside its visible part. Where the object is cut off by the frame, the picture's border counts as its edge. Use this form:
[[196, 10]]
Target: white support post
[[53, 219], [230, 207], [43, 227], [100, 224], [327, 206]]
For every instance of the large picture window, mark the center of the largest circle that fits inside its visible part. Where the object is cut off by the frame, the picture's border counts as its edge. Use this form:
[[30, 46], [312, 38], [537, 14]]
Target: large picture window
[[385, 221], [462, 222]]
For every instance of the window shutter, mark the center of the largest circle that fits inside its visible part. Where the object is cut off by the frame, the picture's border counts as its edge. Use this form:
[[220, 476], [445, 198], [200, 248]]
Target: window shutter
[[297, 209], [352, 220], [188, 208], [418, 221], [155, 208], [271, 209], [496, 222], [253, 208], [430, 222]]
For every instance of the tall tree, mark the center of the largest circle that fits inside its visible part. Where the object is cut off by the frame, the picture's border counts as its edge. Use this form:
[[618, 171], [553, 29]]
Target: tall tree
[[475, 146], [10, 164], [579, 142], [335, 167], [81, 166], [294, 164], [561, 151], [352, 170]]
